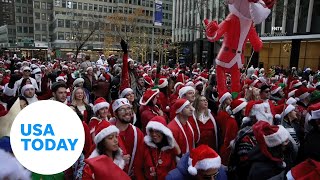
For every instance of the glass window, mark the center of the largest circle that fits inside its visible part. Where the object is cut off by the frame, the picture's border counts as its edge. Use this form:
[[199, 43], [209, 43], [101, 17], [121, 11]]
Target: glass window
[[105, 9], [67, 35], [44, 37], [36, 5], [80, 6], [19, 29], [37, 37], [43, 5], [100, 8], [109, 9], [43, 27], [30, 29], [90, 7], [57, 3], [85, 24], [37, 27], [30, 20], [30, 10], [74, 5], [18, 9], [95, 7], [25, 19], [60, 35], [19, 19], [24, 1], [37, 15], [18, 1], [25, 29], [67, 23], [85, 6], [24, 10], [64, 3], [49, 6], [60, 23], [69, 4], [43, 16]]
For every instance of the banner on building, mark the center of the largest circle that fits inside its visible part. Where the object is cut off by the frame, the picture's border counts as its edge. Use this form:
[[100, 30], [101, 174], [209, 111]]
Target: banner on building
[[158, 13]]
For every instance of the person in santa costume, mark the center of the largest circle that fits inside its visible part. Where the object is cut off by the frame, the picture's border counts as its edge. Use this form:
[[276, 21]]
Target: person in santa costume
[[160, 150], [163, 94], [149, 107], [129, 94], [237, 28], [303, 97], [209, 133], [201, 163], [175, 95], [277, 95], [106, 141], [101, 112], [181, 127], [131, 136], [80, 104], [28, 91], [267, 158], [268, 105]]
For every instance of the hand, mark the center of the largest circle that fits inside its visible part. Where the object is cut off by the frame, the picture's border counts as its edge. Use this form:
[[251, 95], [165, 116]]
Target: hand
[[126, 158], [124, 46], [211, 29]]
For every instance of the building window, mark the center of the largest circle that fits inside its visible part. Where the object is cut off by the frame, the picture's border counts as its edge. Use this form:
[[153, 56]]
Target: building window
[[25, 29], [37, 27], [18, 9], [74, 5], [49, 6], [60, 23], [57, 3], [90, 7], [19, 29], [67, 35], [36, 5], [44, 38], [25, 19], [67, 23], [95, 7], [64, 3], [60, 35], [43, 5], [30, 10], [19, 19], [69, 4], [24, 10], [85, 6], [80, 6], [30, 20], [37, 15], [100, 8], [43, 16], [43, 27], [37, 37]]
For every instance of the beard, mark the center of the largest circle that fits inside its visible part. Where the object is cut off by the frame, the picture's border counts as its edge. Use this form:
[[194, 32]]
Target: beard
[[124, 121]]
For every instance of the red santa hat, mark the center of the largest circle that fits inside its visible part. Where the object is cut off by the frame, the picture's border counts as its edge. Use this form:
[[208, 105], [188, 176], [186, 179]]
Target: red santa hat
[[196, 71], [124, 92], [307, 170], [237, 105], [248, 82], [26, 87], [197, 83], [179, 105], [99, 104], [295, 83], [61, 77], [163, 82], [182, 78], [224, 96], [119, 103], [284, 110], [302, 93], [203, 158], [159, 123], [275, 89], [269, 136], [314, 111], [148, 95], [184, 90], [104, 129], [190, 83], [148, 80]]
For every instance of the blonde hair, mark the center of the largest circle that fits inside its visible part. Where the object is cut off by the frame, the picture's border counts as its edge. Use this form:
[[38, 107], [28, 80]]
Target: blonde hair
[[196, 105], [73, 97]]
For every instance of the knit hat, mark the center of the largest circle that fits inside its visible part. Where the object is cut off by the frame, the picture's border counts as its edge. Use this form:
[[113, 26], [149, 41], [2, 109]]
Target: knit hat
[[269, 136], [119, 103], [314, 111], [285, 109], [302, 93], [25, 87], [104, 129], [99, 104], [275, 89], [179, 105], [237, 105], [163, 82], [224, 96], [125, 92], [159, 123], [203, 158], [184, 90], [78, 81], [148, 95]]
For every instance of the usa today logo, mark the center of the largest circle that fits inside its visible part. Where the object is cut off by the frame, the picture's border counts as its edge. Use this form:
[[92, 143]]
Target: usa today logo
[[47, 137]]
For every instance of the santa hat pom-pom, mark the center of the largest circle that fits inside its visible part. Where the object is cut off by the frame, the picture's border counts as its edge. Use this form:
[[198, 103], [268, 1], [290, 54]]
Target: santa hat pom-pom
[[192, 170], [245, 120], [167, 108], [277, 116]]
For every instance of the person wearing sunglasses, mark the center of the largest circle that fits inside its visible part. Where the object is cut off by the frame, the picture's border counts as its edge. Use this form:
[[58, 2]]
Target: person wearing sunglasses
[[265, 93], [202, 163]]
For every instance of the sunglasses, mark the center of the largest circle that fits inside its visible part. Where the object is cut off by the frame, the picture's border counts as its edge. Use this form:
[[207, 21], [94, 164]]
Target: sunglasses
[[26, 71]]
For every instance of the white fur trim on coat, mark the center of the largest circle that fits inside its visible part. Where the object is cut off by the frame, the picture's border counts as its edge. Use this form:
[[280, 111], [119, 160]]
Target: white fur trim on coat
[[204, 164], [105, 132], [99, 106], [118, 159], [125, 92], [277, 138]]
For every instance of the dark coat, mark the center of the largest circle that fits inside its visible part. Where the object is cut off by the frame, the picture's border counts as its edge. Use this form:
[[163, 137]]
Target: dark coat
[[311, 146]]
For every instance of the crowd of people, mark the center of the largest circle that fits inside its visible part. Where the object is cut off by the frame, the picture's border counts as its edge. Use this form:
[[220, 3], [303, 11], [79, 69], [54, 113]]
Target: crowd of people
[[155, 122]]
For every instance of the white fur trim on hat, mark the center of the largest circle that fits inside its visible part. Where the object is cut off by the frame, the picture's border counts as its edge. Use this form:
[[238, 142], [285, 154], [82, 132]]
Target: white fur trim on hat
[[182, 107], [276, 90], [204, 164], [292, 101], [164, 84], [25, 87], [26, 68], [198, 83], [77, 81], [240, 107], [154, 94], [119, 103], [89, 68], [65, 67], [304, 95], [184, 90], [176, 85], [105, 132], [224, 97], [36, 70], [291, 93], [125, 92], [315, 114], [160, 127], [297, 84], [99, 106], [60, 78], [277, 138]]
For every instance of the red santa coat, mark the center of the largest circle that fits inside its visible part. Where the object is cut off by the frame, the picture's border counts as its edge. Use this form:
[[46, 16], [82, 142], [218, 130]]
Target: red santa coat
[[229, 130], [183, 134], [146, 114], [163, 102], [132, 138], [94, 121]]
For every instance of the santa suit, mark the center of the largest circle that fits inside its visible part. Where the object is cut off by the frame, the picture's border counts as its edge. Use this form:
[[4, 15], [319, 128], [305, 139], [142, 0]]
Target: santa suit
[[94, 121], [208, 131], [132, 138], [183, 134], [229, 129], [146, 114], [236, 30], [163, 101]]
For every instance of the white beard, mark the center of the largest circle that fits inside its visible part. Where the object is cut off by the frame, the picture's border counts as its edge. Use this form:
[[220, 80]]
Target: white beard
[[258, 12]]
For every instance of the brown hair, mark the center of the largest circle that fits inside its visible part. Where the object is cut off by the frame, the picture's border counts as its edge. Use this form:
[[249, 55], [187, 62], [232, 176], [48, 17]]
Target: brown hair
[[196, 104]]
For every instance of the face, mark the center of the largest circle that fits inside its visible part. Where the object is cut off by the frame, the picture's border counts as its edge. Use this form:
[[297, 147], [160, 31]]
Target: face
[[187, 111], [61, 94], [90, 72], [141, 82], [131, 65], [265, 94], [103, 113], [130, 97], [293, 115], [190, 96], [29, 93], [26, 72], [156, 136], [210, 174], [102, 70], [111, 142], [203, 104], [281, 93], [125, 113], [155, 99], [228, 100], [23, 104], [79, 94], [28, 81]]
